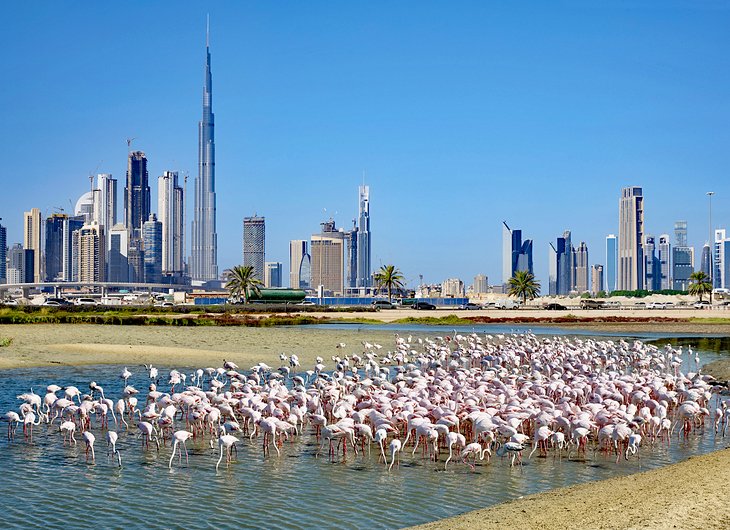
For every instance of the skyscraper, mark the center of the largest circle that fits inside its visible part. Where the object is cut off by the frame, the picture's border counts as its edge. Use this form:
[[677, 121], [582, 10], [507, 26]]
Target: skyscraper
[[705, 260], [32, 241], [651, 279], [581, 268], [170, 207], [118, 262], [272, 277], [561, 266], [105, 202], [204, 252], [20, 264], [481, 284], [597, 279], [630, 237], [664, 256], [352, 237], [611, 262], [516, 253], [683, 258], [254, 244], [58, 240], [720, 259], [299, 264], [136, 195], [364, 278], [3, 254], [328, 255], [89, 242], [152, 236]]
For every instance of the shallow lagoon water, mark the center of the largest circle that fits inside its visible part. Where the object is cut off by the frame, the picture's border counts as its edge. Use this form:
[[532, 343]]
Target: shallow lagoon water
[[46, 484]]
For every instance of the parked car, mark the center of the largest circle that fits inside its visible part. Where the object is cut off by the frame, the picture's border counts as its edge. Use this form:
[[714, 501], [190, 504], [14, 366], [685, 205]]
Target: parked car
[[507, 304], [639, 305], [56, 301], [423, 305], [702, 304], [306, 302], [471, 306], [382, 304], [9, 302], [655, 305], [86, 301], [164, 304], [51, 303], [555, 307]]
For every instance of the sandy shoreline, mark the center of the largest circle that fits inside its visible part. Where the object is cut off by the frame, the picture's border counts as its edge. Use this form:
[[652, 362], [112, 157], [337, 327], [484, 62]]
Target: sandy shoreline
[[691, 494]]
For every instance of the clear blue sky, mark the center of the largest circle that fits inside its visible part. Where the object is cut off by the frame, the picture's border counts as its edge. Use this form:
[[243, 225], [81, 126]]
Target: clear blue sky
[[462, 114]]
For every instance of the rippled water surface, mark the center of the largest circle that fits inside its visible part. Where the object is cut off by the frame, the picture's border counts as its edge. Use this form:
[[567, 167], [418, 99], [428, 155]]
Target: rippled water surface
[[47, 484]]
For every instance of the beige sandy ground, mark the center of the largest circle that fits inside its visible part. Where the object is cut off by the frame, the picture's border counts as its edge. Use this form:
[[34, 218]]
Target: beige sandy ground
[[688, 495], [691, 494]]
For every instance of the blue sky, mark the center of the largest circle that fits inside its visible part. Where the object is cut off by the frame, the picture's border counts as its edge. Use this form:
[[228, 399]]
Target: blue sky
[[461, 114]]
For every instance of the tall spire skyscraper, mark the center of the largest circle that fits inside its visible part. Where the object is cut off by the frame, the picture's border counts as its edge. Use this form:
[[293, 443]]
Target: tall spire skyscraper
[[204, 252]]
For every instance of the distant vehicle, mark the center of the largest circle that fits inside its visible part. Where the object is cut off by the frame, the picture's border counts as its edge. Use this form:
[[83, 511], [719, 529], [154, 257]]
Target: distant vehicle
[[423, 305], [639, 305], [587, 303], [471, 306], [702, 304], [668, 305], [382, 304], [555, 307], [306, 302], [57, 302], [86, 301], [655, 305], [612, 304], [506, 304], [51, 303], [164, 304], [9, 302]]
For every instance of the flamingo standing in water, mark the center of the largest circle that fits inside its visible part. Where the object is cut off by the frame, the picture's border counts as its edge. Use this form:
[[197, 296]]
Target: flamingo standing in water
[[111, 441], [475, 449], [227, 441], [395, 447], [13, 419], [68, 428], [180, 437], [89, 439], [454, 439]]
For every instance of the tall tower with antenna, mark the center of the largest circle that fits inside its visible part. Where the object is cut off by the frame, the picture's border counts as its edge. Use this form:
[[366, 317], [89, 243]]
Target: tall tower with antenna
[[204, 247]]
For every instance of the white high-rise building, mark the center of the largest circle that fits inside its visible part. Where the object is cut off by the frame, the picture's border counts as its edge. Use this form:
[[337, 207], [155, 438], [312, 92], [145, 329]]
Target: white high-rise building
[[170, 208], [364, 274], [89, 242], [452, 288], [105, 202], [664, 255], [719, 260], [630, 236]]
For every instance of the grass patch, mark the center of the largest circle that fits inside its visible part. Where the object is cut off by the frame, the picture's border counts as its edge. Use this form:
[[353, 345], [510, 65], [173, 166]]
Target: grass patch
[[700, 320], [5, 341], [448, 320]]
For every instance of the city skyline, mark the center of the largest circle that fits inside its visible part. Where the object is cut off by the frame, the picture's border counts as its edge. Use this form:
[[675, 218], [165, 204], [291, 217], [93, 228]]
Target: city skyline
[[641, 141]]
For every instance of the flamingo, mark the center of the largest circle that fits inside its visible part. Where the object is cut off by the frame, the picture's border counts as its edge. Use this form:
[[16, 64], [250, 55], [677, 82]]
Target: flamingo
[[68, 428], [475, 449], [395, 447], [454, 439], [227, 441], [13, 420], [515, 448], [89, 439], [180, 437]]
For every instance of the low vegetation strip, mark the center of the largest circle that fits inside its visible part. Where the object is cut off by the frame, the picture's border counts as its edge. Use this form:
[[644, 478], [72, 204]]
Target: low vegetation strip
[[5, 341], [122, 319], [572, 319]]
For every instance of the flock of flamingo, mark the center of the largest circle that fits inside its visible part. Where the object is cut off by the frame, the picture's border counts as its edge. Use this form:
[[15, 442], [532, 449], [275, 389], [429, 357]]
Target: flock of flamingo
[[467, 396]]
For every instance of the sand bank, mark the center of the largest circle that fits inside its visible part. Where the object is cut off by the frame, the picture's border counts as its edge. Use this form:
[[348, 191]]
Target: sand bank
[[687, 495], [76, 344]]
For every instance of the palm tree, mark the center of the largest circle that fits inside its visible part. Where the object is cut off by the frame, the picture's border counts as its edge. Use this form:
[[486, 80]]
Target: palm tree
[[242, 281], [524, 285], [390, 278], [700, 284]]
